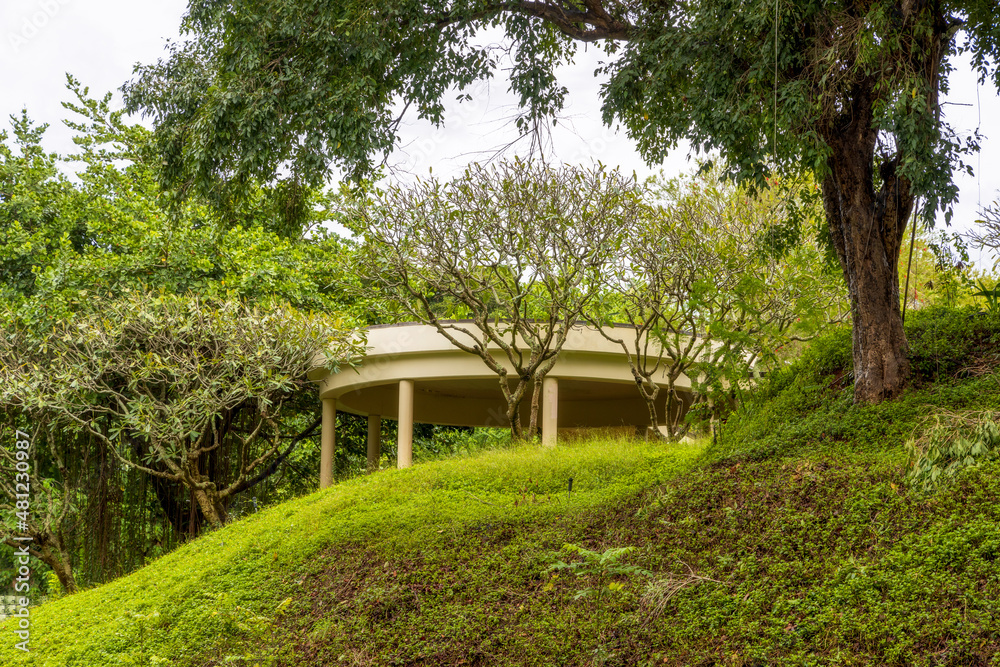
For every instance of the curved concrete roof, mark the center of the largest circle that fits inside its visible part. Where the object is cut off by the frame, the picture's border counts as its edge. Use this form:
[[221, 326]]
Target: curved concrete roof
[[451, 386]]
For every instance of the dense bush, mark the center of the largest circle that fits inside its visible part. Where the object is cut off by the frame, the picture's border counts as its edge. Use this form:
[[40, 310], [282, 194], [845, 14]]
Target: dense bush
[[945, 342]]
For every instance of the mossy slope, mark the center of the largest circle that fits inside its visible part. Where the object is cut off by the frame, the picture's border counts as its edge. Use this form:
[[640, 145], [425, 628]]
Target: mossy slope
[[794, 540], [218, 598], [801, 562]]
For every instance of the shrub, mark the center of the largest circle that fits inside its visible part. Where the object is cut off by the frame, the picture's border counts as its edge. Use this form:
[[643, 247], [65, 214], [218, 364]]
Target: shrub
[[954, 442], [601, 569], [951, 341]]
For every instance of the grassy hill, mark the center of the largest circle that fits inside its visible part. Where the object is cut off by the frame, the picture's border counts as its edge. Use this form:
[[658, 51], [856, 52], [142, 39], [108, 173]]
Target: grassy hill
[[797, 539]]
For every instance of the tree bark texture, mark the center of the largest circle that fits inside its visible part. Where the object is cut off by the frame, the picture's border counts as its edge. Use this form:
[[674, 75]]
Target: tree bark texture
[[211, 508], [867, 227], [56, 557]]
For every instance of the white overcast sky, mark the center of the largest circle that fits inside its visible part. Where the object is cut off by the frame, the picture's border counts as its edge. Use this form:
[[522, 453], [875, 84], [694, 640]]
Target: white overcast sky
[[99, 41]]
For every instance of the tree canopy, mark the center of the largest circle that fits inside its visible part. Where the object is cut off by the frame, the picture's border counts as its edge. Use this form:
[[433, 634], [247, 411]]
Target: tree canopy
[[66, 243], [80, 237], [266, 84], [847, 89]]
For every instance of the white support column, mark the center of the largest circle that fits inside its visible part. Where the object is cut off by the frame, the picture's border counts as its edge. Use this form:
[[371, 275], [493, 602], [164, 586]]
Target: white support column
[[374, 441], [328, 442], [404, 446], [550, 411]]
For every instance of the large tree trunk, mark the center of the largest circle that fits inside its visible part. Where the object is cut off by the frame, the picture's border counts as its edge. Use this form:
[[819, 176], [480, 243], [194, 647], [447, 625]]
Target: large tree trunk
[[867, 228], [211, 507], [881, 364], [48, 548], [53, 555]]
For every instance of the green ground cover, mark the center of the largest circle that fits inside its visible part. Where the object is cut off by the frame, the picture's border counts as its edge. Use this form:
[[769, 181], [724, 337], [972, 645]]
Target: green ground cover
[[219, 597], [796, 539]]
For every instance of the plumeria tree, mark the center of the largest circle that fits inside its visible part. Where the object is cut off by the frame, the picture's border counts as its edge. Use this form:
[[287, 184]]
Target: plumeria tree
[[708, 290], [518, 249], [185, 389]]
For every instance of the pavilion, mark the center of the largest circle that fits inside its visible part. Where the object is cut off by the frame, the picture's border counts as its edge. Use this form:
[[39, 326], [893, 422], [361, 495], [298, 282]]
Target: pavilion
[[412, 373]]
